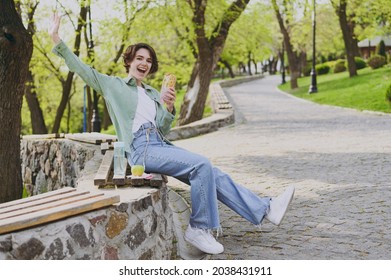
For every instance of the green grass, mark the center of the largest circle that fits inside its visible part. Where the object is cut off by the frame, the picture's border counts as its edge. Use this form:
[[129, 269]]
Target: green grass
[[367, 91]]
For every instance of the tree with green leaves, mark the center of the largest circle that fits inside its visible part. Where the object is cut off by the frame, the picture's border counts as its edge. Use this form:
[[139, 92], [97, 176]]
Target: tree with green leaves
[[251, 38], [329, 43], [210, 45], [284, 18], [15, 53], [381, 49], [378, 14], [347, 24], [66, 82], [36, 115]]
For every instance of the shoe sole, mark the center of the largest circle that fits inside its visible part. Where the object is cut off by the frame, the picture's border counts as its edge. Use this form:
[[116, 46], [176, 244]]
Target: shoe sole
[[205, 250], [285, 210], [287, 206]]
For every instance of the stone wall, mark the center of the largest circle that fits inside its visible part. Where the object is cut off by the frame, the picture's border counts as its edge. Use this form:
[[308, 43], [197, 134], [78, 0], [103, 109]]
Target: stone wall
[[51, 164], [141, 229]]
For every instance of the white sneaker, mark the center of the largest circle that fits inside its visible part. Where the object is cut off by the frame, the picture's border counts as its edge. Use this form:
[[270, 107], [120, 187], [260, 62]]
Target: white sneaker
[[203, 240], [279, 205]]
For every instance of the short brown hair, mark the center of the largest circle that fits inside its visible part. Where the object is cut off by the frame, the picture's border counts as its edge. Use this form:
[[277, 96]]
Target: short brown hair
[[130, 54]]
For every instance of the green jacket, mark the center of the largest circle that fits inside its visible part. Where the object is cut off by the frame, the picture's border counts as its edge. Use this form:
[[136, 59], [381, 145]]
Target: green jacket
[[120, 95]]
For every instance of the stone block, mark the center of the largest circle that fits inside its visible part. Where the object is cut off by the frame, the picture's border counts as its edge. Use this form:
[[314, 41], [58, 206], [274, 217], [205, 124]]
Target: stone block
[[116, 224]]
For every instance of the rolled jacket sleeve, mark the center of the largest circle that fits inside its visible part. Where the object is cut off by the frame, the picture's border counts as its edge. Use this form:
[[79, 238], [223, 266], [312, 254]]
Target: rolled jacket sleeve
[[89, 75]]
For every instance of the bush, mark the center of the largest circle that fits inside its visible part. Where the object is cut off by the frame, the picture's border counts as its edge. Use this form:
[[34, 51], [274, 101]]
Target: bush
[[360, 63], [376, 61], [331, 64], [307, 69], [339, 66], [322, 69], [388, 93], [381, 48]]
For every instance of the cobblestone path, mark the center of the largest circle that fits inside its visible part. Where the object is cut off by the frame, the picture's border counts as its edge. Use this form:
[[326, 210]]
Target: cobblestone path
[[338, 159]]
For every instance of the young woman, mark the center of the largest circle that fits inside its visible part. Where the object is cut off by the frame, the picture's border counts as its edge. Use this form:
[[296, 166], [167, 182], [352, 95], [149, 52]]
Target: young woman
[[142, 116]]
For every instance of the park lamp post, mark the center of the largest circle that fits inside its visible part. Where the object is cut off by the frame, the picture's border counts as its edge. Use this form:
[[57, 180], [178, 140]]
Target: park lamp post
[[313, 86], [95, 121]]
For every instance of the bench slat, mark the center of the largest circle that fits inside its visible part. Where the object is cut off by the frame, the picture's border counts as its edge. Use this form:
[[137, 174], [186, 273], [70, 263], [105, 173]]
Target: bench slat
[[156, 181], [40, 201], [103, 173], [5, 205], [91, 137], [105, 146], [119, 179], [56, 210], [44, 136], [47, 203]]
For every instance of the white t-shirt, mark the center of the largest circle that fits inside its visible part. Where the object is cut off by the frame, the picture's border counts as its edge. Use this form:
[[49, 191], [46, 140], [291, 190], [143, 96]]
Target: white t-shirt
[[146, 110]]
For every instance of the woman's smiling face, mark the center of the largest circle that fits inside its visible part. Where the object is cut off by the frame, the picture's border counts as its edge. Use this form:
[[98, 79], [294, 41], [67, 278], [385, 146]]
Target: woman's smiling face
[[140, 65]]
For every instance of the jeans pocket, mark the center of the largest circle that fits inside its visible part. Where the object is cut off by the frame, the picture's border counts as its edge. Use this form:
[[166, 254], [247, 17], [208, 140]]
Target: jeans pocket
[[136, 158], [138, 133]]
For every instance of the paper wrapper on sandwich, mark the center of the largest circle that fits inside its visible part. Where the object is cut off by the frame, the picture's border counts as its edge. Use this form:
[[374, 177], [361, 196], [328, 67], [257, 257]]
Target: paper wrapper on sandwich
[[169, 80]]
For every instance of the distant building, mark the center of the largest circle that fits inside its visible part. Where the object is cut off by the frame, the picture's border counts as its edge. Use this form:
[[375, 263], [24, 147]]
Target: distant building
[[368, 46]]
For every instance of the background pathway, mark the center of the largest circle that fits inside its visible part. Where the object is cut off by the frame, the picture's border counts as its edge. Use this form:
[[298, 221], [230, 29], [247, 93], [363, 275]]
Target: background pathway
[[338, 159]]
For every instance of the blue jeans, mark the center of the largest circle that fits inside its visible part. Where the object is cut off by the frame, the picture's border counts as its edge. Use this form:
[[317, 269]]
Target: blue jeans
[[208, 183]]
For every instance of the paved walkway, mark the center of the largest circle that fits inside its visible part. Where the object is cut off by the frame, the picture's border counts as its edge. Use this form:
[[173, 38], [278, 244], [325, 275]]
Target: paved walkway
[[338, 159]]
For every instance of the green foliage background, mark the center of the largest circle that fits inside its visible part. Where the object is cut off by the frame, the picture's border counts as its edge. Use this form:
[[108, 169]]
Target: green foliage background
[[167, 26]]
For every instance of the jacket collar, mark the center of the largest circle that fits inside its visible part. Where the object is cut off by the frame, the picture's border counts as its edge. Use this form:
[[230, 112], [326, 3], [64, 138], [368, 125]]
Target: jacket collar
[[132, 82]]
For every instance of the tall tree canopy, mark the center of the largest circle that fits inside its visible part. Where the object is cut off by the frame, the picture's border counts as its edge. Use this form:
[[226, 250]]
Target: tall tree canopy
[[210, 45]]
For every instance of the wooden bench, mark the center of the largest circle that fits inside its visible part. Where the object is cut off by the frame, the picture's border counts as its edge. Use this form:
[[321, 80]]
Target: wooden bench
[[91, 137], [219, 99], [68, 201], [51, 206], [105, 177]]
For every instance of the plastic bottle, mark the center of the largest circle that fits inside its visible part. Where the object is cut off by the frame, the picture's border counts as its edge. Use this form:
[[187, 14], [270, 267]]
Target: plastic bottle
[[119, 158]]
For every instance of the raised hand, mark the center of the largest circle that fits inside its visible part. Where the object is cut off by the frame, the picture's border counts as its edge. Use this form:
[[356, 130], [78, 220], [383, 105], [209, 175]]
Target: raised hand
[[54, 27]]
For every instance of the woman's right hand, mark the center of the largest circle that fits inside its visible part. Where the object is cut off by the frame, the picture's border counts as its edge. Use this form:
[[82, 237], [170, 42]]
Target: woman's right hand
[[53, 29]]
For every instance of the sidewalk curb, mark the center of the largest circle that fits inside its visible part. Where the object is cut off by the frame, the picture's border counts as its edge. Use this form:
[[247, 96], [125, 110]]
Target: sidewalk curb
[[223, 111]]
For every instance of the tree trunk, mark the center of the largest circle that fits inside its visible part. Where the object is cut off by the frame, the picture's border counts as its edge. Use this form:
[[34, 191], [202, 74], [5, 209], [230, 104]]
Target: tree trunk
[[249, 63], [229, 67], [274, 65], [193, 108], [294, 66], [16, 48], [67, 84], [89, 108], [303, 62], [210, 50], [242, 68], [36, 114], [255, 66], [348, 36]]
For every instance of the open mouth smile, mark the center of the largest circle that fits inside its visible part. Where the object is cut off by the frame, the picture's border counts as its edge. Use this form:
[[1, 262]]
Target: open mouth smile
[[142, 70]]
